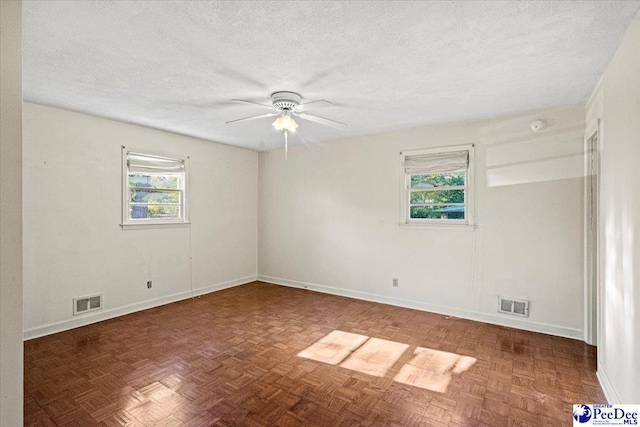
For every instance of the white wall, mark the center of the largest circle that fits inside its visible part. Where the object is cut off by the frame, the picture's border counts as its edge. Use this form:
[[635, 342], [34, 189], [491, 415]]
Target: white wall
[[329, 221], [11, 213], [74, 245], [616, 102]]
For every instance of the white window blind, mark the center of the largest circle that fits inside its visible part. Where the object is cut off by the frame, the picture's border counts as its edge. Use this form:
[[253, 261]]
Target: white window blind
[[137, 162], [426, 164]]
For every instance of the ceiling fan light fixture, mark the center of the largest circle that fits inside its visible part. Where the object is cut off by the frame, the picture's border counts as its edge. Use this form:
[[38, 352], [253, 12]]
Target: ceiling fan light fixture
[[285, 123]]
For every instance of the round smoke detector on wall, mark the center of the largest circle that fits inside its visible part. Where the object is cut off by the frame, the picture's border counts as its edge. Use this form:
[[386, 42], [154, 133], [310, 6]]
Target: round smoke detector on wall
[[538, 125]]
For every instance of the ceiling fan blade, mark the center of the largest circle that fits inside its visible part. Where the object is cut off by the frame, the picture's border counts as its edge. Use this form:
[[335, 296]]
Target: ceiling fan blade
[[252, 118], [313, 104], [244, 101], [322, 121]]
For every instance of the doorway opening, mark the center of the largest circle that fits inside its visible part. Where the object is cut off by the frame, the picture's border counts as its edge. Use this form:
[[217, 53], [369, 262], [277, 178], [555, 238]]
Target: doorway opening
[[592, 185]]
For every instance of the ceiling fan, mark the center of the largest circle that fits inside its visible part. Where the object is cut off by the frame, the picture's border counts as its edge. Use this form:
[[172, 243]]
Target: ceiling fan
[[287, 105]]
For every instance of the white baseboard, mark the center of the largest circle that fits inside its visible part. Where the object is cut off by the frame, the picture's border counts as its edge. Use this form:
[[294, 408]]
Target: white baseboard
[[100, 315], [544, 328], [607, 387]]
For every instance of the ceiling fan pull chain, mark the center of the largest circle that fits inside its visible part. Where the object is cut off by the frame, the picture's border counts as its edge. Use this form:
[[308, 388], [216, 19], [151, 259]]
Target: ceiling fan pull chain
[[286, 144]]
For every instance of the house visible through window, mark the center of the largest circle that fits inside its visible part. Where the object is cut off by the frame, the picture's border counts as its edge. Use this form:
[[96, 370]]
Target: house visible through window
[[154, 189], [437, 186]]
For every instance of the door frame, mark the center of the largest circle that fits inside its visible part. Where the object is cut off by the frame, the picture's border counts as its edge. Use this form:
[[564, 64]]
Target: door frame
[[593, 142]]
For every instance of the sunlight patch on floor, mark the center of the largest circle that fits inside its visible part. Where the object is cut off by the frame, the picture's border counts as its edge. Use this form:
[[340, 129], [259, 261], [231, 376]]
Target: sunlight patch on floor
[[428, 369], [334, 347], [375, 357], [432, 369]]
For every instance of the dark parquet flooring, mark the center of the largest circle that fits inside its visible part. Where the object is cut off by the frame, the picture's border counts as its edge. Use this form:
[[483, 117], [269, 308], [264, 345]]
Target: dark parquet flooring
[[230, 358]]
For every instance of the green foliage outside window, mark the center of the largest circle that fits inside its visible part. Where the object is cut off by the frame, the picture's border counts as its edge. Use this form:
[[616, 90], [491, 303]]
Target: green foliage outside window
[[154, 181], [437, 180], [432, 182], [154, 196]]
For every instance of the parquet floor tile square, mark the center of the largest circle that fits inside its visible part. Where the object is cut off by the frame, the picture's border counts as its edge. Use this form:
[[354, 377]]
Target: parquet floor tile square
[[265, 355]]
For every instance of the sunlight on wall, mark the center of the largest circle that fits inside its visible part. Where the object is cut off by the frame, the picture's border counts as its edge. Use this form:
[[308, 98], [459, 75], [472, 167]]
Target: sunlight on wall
[[547, 169], [618, 312], [428, 369], [517, 155], [612, 303], [628, 256], [612, 292]]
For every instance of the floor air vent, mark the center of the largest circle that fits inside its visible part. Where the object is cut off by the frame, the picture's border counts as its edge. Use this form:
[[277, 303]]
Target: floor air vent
[[85, 304], [517, 307]]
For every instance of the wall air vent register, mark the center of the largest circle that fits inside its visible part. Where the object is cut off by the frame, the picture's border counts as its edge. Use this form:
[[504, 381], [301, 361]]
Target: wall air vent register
[[86, 304], [513, 306]]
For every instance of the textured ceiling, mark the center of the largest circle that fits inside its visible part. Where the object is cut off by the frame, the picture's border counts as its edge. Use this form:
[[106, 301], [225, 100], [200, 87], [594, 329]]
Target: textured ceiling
[[385, 65]]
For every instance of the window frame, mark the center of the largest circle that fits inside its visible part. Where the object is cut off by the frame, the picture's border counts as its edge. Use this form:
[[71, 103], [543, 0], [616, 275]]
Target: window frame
[[405, 191], [127, 222]]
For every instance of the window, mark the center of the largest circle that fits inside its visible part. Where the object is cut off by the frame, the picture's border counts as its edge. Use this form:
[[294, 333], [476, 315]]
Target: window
[[154, 189], [437, 186]]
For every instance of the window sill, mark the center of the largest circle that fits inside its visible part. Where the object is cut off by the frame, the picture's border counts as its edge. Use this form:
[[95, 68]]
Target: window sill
[[432, 226], [144, 226]]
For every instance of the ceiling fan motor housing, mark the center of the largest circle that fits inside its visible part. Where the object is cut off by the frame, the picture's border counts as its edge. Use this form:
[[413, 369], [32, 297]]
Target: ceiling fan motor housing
[[285, 101]]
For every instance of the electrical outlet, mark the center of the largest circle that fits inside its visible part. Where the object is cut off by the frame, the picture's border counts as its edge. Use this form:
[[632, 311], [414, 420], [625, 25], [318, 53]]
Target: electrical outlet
[[394, 281], [149, 284]]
